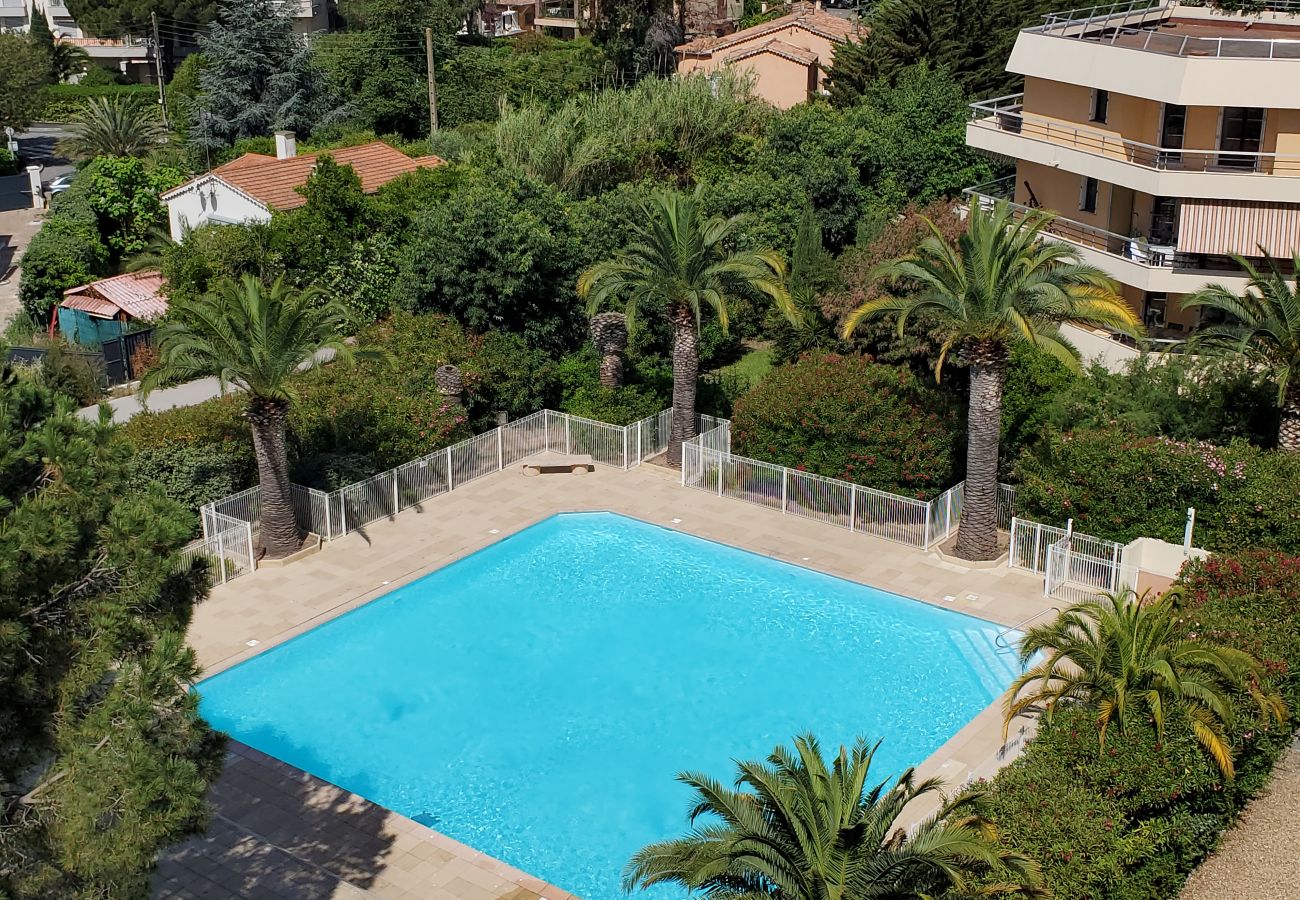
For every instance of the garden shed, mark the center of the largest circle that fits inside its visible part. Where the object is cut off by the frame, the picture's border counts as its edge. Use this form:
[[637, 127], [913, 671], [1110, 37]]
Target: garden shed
[[103, 310]]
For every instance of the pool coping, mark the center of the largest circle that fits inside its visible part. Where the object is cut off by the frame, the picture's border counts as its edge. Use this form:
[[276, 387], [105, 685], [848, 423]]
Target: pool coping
[[951, 761]]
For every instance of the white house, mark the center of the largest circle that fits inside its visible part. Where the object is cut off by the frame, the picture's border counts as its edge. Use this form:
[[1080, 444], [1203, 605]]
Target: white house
[[251, 187]]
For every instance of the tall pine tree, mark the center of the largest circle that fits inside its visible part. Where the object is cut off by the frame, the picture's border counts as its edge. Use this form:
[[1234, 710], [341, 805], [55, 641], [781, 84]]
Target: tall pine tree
[[104, 759], [38, 32], [258, 77]]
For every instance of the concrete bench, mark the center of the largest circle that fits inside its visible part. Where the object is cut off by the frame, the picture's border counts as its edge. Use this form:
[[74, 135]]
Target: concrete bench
[[577, 463]]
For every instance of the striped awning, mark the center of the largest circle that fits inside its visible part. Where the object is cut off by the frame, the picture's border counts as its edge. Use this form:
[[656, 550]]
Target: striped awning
[[1220, 227]]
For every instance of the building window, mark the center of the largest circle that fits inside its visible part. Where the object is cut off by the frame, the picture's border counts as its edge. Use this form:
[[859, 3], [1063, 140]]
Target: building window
[[1088, 195], [1100, 102], [1164, 221], [1241, 131], [1153, 310]]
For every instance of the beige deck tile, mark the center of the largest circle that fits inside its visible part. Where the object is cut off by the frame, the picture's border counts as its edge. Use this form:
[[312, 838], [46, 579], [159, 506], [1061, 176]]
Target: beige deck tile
[[281, 833]]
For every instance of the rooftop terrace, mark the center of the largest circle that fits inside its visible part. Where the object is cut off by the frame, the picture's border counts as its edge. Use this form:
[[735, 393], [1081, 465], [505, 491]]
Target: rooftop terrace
[[1174, 31]]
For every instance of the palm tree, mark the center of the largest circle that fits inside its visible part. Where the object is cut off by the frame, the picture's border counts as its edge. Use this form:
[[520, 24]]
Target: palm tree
[[1124, 656], [609, 336], [678, 260], [255, 337], [1263, 324], [998, 286], [114, 126], [67, 60], [801, 830]]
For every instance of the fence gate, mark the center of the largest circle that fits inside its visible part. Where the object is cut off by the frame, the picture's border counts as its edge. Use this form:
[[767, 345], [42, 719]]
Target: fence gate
[[118, 353]]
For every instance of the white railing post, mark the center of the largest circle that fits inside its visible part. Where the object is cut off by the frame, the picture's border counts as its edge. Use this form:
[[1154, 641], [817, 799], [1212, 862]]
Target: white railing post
[[1038, 545], [947, 513], [397, 504], [853, 505], [221, 555], [928, 506], [248, 542], [640, 426], [501, 459], [449, 470], [343, 511], [785, 487], [719, 474], [329, 530], [625, 460]]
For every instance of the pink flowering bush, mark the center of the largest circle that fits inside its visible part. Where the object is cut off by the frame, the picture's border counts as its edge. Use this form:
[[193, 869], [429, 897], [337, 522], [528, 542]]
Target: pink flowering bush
[[1121, 487], [848, 417]]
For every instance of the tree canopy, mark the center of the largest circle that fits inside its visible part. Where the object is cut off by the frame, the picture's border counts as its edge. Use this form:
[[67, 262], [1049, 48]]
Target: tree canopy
[[113, 18], [95, 703]]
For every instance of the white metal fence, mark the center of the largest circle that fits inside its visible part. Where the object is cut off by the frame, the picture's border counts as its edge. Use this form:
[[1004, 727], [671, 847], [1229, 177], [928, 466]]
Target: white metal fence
[[1074, 566], [227, 546], [709, 465], [336, 513]]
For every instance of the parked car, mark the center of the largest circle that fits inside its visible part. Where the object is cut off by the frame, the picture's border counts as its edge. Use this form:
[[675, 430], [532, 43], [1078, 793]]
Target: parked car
[[60, 184]]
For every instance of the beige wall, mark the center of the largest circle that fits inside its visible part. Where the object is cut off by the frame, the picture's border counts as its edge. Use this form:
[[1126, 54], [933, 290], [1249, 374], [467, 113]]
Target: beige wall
[[780, 81], [1058, 190]]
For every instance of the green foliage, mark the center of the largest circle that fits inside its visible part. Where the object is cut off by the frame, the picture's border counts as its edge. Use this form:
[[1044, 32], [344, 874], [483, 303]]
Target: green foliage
[[64, 102], [124, 191], [1132, 822], [1121, 487], [68, 251], [23, 71], [850, 418], [183, 93], [824, 829], [95, 700], [206, 255], [38, 32], [113, 18], [119, 125], [593, 143], [322, 232], [972, 38], [258, 77], [1133, 659], [65, 371], [496, 256], [191, 476], [580, 392], [9, 164]]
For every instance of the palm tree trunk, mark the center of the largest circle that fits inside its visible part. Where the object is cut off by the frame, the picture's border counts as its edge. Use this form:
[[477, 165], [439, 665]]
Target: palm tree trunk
[[977, 535], [611, 370], [686, 371], [280, 535], [1288, 432]]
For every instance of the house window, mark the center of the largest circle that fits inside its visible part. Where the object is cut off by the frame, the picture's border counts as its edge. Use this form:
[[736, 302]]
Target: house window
[[1164, 221], [1100, 102], [1088, 195]]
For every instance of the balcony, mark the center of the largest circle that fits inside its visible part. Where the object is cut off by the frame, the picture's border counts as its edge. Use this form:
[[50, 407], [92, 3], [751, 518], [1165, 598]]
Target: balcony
[[1129, 260], [1195, 56], [1002, 127]]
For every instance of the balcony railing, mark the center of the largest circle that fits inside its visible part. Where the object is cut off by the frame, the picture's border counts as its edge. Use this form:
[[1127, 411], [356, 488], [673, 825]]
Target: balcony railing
[[1114, 24], [1006, 114], [1133, 249]]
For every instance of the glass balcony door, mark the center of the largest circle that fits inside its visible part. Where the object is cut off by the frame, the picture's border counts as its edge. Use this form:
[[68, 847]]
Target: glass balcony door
[[1241, 134]]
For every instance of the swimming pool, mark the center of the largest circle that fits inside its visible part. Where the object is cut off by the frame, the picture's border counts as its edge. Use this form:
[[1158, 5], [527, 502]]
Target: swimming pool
[[536, 699]]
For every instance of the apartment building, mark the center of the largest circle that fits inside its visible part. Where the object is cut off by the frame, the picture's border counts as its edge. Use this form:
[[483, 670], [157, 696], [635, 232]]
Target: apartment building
[[1166, 138]]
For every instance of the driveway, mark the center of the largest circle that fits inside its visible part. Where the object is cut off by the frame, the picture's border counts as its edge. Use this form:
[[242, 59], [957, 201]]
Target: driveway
[[18, 221]]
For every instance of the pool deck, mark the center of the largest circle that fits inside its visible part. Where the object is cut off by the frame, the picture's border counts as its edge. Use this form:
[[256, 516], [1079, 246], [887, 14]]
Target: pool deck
[[281, 833]]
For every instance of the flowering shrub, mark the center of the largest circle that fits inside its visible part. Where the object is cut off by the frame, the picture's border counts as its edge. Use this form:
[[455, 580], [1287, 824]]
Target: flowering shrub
[[1132, 822], [850, 418], [1122, 487]]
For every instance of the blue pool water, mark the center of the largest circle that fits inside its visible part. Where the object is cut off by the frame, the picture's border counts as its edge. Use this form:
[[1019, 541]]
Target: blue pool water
[[535, 700]]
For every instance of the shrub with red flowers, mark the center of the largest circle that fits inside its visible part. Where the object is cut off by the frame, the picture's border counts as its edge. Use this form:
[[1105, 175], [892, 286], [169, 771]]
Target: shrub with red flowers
[[1118, 486], [848, 417], [1131, 823]]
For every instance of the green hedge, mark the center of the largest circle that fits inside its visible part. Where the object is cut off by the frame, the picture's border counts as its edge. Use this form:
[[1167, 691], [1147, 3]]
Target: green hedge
[[62, 102], [1121, 487], [1130, 823], [850, 418]]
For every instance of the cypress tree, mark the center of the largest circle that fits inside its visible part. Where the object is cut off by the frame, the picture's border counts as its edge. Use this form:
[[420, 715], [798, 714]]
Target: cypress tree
[[42, 39]]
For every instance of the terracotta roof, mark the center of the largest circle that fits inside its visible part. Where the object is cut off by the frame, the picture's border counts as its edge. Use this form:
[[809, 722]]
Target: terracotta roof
[[138, 294], [804, 15], [780, 48], [274, 182]]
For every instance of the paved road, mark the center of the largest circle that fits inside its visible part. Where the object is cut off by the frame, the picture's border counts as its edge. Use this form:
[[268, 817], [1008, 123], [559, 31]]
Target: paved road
[[18, 221], [191, 393]]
